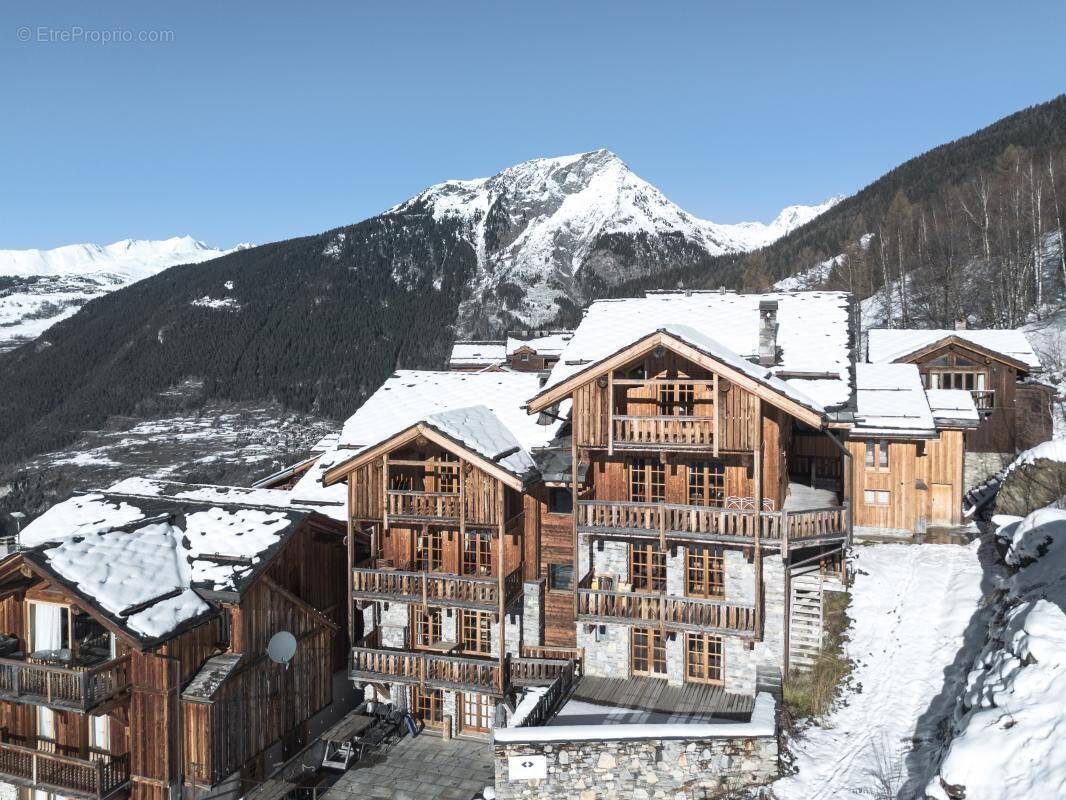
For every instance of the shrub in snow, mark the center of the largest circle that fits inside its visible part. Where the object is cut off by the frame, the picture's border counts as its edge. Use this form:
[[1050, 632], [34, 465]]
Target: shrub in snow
[[1011, 719], [1035, 479]]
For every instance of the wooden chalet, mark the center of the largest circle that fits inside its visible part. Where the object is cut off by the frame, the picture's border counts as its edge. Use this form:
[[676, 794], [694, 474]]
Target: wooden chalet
[[689, 520], [135, 631], [997, 367]]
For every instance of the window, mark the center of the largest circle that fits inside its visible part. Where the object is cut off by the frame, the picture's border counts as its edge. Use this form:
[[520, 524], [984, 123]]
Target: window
[[429, 551], [649, 652], [477, 553], [875, 497], [647, 568], [703, 658], [676, 399], [428, 706], [877, 454], [475, 632], [560, 577], [49, 627], [560, 501], [705, 572], [706, 483], [448, 478], [425, 626], [525, 356], [647, 480], [476, 712]]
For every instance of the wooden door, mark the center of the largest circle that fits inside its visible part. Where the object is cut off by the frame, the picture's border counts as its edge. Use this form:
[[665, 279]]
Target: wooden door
[[475, 712], [942, 512]]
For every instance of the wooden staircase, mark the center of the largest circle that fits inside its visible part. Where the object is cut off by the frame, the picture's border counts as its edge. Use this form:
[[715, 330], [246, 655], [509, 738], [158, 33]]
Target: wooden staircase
[[805, 617]]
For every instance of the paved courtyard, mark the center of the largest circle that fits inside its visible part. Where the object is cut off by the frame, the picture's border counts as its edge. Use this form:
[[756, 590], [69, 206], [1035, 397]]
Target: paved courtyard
[[421, 768]]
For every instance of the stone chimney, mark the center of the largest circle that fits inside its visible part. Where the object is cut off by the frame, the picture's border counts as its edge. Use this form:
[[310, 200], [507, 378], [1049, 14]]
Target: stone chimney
[[767, 332], [960, 324]]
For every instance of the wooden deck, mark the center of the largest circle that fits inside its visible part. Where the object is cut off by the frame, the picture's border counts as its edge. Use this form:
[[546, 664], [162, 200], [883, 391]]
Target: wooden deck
[[656, 695]]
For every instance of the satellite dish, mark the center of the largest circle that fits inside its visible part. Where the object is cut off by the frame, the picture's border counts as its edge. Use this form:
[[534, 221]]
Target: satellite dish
[[281, 647]]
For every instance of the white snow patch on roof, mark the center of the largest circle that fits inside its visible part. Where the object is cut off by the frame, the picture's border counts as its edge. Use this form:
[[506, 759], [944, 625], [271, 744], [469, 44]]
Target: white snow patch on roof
[[891, 399], [812, 333], [952, 404], [481, 430], [549, 345], [78, 516], [479, 353], [891, 344]]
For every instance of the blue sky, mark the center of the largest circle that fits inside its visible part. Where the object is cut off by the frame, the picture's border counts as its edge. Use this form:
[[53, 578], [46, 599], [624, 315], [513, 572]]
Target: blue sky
[[260, 121]]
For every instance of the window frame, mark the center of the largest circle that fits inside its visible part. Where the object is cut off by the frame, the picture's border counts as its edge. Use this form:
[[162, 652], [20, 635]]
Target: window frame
[[702, 564], [553, 493], [552, 584], [427, 626], [647, 567], [477, 554], [647, 653], [646, 480], [475, 632], [876, 457], [706, 482], [705, 664]]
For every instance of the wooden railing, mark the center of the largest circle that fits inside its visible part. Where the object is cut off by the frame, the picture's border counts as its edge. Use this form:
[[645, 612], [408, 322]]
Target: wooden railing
[[661, 430], [423, 505], [539, 671], [575, 654], [984, 399], [36, 763], [656, 609], [431, 588], [775, 528], [548, 703], [76, 688], [370, 662]]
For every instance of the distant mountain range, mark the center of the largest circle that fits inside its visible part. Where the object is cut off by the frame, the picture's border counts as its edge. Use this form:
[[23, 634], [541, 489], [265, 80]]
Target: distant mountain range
[[40, 287]]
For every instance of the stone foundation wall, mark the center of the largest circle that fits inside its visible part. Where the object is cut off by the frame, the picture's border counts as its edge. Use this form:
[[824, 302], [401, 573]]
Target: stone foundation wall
[[979, 466], [639, 769]]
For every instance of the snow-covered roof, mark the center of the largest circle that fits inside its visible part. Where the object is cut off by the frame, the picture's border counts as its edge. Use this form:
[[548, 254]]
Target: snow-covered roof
[[333, 507], [550, 345], [478, 353], [891, 344], [952, 405], [890, 400], [122, 552], [812, 334], [481, 430], [483, 410]]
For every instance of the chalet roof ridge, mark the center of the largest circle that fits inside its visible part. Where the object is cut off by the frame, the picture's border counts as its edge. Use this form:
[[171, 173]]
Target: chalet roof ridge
[[887, 345]]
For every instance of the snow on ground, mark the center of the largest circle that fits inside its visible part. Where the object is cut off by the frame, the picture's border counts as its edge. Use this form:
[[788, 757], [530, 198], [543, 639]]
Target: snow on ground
[[911, 605], [1011, 721]]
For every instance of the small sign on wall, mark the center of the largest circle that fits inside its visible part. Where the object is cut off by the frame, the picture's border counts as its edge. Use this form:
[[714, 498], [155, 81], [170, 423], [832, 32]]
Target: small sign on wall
[[527, 768]]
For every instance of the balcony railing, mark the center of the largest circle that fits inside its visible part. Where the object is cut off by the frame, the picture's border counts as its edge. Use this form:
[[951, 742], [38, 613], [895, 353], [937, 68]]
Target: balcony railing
[[428, 588], [672, 432], [43, 765], [74, 688], [423, 505], [711, 523], [445, 671], [984, 399], [647, 609], [526, 671]]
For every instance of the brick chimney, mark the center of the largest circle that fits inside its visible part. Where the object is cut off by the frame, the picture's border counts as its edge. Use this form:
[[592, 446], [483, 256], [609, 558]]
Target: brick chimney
[[767, 332]]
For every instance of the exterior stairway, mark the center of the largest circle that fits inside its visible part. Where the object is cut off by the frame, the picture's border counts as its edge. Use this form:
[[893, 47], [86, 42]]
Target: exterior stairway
[[805, 617]]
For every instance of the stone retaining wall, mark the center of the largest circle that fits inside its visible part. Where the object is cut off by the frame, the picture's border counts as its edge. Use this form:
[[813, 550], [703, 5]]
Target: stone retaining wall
[[637, 769]]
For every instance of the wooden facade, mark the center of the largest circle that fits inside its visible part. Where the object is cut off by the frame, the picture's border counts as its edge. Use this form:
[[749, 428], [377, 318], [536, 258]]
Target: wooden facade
[[132, 728], [1014, 415], [919, 483]]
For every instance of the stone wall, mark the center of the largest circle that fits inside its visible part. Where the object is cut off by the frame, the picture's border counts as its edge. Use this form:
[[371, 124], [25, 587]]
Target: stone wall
[[532, 612], [977, 467], [638, 769]]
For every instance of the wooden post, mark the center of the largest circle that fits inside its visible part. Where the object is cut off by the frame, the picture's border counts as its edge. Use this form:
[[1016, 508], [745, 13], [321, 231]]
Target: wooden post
[[385, 491], [758, 516], [351, 561], [502, 601], [717, 414], [610, 413]]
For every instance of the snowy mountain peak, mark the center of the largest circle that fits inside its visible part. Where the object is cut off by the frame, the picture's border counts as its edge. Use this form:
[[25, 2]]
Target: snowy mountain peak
[[551, 226]]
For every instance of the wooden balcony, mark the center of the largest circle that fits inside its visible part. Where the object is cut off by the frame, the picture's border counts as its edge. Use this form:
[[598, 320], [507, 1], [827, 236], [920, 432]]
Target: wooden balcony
[[526, 671], [444, 671], [422, 506], [435, 589], [42, 765], [648, 609], [674, 433], [71, 688], [984, 399], [776, 529]]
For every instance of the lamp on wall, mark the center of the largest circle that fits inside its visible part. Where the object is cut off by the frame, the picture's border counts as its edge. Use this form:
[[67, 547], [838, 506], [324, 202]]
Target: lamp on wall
[[659, 351], [602, 381]]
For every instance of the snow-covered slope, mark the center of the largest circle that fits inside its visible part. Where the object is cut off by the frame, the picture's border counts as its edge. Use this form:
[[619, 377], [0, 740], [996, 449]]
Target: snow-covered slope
[[550, 228], [40, 287]]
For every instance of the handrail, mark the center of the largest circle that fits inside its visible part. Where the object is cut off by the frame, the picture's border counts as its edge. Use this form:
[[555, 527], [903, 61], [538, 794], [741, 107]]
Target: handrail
[[427, 667], [99, 775], [78, 687], [665, 610]]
